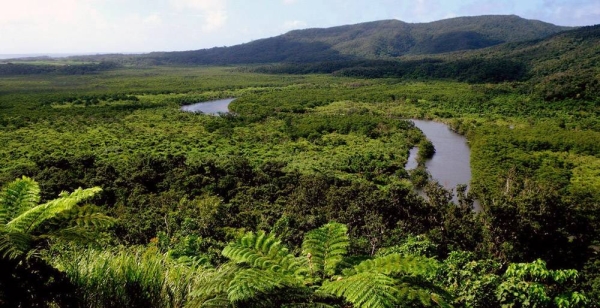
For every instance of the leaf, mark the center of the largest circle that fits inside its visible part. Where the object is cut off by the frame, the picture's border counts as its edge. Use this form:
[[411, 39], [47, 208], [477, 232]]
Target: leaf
[[14, 244], [365, 290], [262, 251], [396, 263], [18, 197], [29, 220], [326, 248], [251, 283]]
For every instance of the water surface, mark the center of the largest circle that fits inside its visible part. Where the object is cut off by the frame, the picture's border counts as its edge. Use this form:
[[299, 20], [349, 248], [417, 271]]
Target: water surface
[[450, 165], [215, 107]]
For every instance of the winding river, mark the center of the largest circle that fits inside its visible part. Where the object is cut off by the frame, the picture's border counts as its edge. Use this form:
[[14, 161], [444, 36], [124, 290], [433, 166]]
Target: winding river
[[450, 165]]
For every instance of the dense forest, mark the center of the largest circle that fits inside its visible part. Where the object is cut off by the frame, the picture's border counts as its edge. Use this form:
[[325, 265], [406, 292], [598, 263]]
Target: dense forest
[[112, 196]]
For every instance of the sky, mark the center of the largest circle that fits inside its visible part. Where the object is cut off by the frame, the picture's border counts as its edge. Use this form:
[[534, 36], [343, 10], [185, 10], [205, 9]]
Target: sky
[[135, 26]]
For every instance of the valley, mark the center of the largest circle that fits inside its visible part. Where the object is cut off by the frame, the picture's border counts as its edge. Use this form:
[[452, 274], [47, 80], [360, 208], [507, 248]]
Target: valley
[[300, 195]]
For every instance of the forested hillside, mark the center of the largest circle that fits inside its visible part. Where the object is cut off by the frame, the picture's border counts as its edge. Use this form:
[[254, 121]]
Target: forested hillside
[[300, 152], [112, 196], [374, 40], [384, 39]]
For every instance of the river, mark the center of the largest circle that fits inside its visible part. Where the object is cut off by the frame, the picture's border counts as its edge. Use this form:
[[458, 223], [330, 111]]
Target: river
[[450, 165], [215, 107]]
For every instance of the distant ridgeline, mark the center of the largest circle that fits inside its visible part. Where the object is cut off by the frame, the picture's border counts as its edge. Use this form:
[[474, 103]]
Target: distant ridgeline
[[562, 62], [385, 39], [10, 68]]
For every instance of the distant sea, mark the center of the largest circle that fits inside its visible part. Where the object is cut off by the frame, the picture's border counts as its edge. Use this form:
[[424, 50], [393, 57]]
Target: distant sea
[[52, 55], [62, 55]]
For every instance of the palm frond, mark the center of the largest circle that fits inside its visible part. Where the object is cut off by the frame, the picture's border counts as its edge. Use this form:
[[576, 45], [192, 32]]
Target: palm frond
[[18, 197], [325, 247], [262, 251], [365, 290], [32, 218]]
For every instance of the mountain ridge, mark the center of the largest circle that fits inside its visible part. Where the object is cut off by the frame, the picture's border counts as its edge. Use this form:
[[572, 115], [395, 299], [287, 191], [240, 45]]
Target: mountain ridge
[[382, 39]]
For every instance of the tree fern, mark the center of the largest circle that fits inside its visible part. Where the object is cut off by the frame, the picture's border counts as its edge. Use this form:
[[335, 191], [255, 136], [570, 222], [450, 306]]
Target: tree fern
[[383, 281], [250, 283], [326, 247], [14, 244], [17, 197], [262, 251], [23, 223], [30, 219], [365, 290], [395, 263], [268, 274]]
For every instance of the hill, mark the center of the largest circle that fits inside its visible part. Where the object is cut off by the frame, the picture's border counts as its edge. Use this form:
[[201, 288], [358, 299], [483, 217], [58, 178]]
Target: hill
[[372, 40]]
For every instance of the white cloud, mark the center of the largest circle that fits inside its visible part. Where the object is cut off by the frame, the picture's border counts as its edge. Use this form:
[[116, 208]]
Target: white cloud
[[577, 12], [294, 24], [214, 12], [203, 5], [214, 20], [153, 20], [289, 2]]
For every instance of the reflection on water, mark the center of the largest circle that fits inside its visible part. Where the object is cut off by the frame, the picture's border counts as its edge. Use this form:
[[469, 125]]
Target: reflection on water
[[450, 165], [211, 107]]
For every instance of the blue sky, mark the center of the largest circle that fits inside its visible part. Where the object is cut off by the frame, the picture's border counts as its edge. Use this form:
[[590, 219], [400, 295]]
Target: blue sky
[[88, 26]]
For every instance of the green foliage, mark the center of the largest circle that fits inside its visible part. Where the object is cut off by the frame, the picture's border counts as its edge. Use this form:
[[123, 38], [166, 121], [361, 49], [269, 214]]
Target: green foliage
[[325, 248], [262, 251], [372, 40], [533, 285], [300, 151], [260, 269], [27, 225], [365, 290], [472, 282], [426, 151], [127, 277]]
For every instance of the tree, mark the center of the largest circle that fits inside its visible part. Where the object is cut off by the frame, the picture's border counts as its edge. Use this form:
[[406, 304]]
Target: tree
[[262, 272], [27, 280], [26, 226], [534, 285]]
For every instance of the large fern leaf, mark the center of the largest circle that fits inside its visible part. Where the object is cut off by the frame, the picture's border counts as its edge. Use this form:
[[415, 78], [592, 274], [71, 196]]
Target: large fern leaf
[[14, 244], [262, 251], [18, 197], [397, 264], [370, 290], [251, 283], [32, 218], [214, 284], [326, 247]]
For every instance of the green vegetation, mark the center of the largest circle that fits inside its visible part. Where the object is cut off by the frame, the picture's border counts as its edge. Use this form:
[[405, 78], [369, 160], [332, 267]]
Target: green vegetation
[[300, 197]]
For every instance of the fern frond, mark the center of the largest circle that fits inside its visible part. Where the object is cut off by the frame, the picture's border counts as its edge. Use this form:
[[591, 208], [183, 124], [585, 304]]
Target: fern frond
[[262, 251], [72, 234], [365, 290], [18, 197], [325, 247], [397, 264], [215, 282], [29, 220], [251, 283], [217, 302], [308, 305], [14, 244]]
